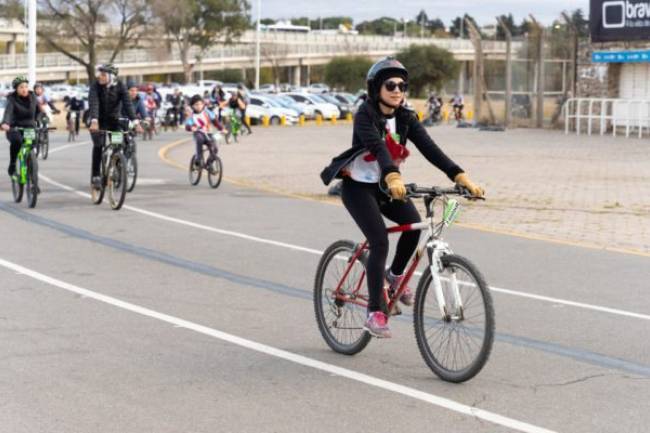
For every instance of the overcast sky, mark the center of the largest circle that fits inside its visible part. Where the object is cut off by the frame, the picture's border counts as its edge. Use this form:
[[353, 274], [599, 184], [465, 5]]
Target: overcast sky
[[483, 10]]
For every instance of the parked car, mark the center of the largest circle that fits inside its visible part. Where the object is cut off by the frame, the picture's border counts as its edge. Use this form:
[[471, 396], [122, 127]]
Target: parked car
[[268, 88], [287, 102], [325, 109], [275, 108], [344, 107], [59, 91], [5, 89], [318, 88], [256, 112], [3, 104]]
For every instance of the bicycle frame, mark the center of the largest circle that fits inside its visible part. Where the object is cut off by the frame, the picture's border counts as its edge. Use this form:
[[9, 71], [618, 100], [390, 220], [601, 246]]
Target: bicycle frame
[[431, 244], [25, 149]]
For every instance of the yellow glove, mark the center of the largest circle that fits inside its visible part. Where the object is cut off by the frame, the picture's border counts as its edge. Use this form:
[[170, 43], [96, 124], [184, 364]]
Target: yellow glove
[[395, 186], [464, 180]]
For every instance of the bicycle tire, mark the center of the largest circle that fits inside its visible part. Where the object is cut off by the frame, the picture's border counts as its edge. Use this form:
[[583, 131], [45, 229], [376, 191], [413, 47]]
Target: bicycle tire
[[45, 145], [194, 172], [131, 172], [117, 181], [17, 188], [356, 343], [31, 186], [215, 172], [454, 263]]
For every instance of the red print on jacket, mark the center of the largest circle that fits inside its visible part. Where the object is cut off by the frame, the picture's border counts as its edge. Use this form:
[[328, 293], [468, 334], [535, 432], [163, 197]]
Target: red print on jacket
[[397, 151]]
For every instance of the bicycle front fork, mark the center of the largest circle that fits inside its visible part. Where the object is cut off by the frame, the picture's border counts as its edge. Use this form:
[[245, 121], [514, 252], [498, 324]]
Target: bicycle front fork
[[450, 309]]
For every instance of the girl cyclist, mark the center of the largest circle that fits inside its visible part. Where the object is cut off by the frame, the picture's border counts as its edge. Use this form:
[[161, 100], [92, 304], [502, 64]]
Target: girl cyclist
[[381, 128], [22, 108]]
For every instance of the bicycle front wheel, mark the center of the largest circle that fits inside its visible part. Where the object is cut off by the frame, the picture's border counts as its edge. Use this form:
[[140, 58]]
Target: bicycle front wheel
[[341, 314], [131, 172], [215, 172], [32, 180], [455, 345], [195, 171], [117, 181]]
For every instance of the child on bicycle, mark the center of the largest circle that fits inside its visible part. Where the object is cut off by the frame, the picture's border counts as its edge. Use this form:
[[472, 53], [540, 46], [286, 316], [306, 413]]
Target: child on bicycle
[[200, 122], [21, 111], [381, 128]]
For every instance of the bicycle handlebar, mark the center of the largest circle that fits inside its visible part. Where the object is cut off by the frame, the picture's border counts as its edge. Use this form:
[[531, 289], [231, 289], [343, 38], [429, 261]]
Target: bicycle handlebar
[[415, 191]]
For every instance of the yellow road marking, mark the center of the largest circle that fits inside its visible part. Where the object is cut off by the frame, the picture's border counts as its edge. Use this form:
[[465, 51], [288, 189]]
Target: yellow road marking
[[164, 151]]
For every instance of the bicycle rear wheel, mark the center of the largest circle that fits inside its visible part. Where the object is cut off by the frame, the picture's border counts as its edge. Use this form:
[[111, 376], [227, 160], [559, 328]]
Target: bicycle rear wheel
[[341, 318], [131, 172], [215, 171], [455, 347], [32, 180], [195, 171], [117, 181]]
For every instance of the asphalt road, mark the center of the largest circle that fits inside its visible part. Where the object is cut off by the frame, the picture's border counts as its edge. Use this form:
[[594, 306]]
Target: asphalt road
[[190, 310]]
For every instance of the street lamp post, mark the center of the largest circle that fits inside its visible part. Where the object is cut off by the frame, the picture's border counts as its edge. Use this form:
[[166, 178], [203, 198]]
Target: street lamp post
[[257, 46], [31, 41]]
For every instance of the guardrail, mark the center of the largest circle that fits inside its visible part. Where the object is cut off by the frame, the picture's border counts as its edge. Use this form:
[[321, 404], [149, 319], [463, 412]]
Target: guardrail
[[291, 44], [608, 115]]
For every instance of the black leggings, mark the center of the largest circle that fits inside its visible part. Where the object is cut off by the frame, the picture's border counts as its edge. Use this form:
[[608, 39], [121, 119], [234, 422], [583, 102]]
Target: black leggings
[[366, 203], [98, 142], [201, 139], [15, 141]]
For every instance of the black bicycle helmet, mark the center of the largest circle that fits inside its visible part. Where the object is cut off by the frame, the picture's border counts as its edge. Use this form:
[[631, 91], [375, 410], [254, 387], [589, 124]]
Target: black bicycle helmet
[[37, 85], [108, 68], [381, 71], [18, 81], [130, 84]]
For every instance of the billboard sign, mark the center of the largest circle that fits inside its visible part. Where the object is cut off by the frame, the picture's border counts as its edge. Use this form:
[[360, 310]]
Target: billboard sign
[[619, 20]]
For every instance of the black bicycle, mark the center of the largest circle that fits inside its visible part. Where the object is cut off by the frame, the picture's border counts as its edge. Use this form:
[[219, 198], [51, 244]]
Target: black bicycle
[[113, 172], [43, 129], [210, 162]]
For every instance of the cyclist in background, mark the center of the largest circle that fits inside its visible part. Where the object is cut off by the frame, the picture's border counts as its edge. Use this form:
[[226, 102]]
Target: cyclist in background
[[201, 122], [106, 97], [458, 103], [382, 127], [136, 102], [21, 111], [44, 102]]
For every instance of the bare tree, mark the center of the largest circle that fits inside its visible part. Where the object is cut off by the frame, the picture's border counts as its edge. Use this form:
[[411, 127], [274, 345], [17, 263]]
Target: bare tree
[[92, 25], [200, 23], [274, 54]]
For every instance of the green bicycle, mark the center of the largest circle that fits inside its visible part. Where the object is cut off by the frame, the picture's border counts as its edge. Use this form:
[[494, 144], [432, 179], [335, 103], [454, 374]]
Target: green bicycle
[[26, 176], [234, 126]]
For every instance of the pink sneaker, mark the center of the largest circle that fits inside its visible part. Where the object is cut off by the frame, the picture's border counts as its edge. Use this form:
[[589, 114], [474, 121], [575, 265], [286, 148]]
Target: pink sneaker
[[377, 325]]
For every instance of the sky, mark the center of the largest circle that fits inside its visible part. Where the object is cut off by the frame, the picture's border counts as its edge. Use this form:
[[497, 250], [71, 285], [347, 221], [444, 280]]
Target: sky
[[484, 11]]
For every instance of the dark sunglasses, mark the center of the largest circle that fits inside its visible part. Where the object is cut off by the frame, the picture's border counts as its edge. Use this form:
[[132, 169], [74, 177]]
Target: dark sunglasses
[[392, 85]]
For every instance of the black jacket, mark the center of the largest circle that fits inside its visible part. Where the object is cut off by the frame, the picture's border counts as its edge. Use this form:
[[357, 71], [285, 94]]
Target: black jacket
[[369, 124], [21, 111], [106, 104]]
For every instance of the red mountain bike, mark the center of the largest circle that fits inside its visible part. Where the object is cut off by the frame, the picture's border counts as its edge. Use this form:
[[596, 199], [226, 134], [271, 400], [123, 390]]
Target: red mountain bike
[[453, 314]]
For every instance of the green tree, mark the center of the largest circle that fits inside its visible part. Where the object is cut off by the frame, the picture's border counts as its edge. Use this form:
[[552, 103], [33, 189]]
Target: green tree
[[81, 30], [458, 23], [267, 21], [580, 22], [347, 72], [199, 23], [509, 21], [382, 26], [429, 67]]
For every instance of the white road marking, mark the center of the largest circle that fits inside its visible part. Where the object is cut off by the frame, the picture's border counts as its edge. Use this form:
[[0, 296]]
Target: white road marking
[[235, 234], [68, 146], [285, 355]]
